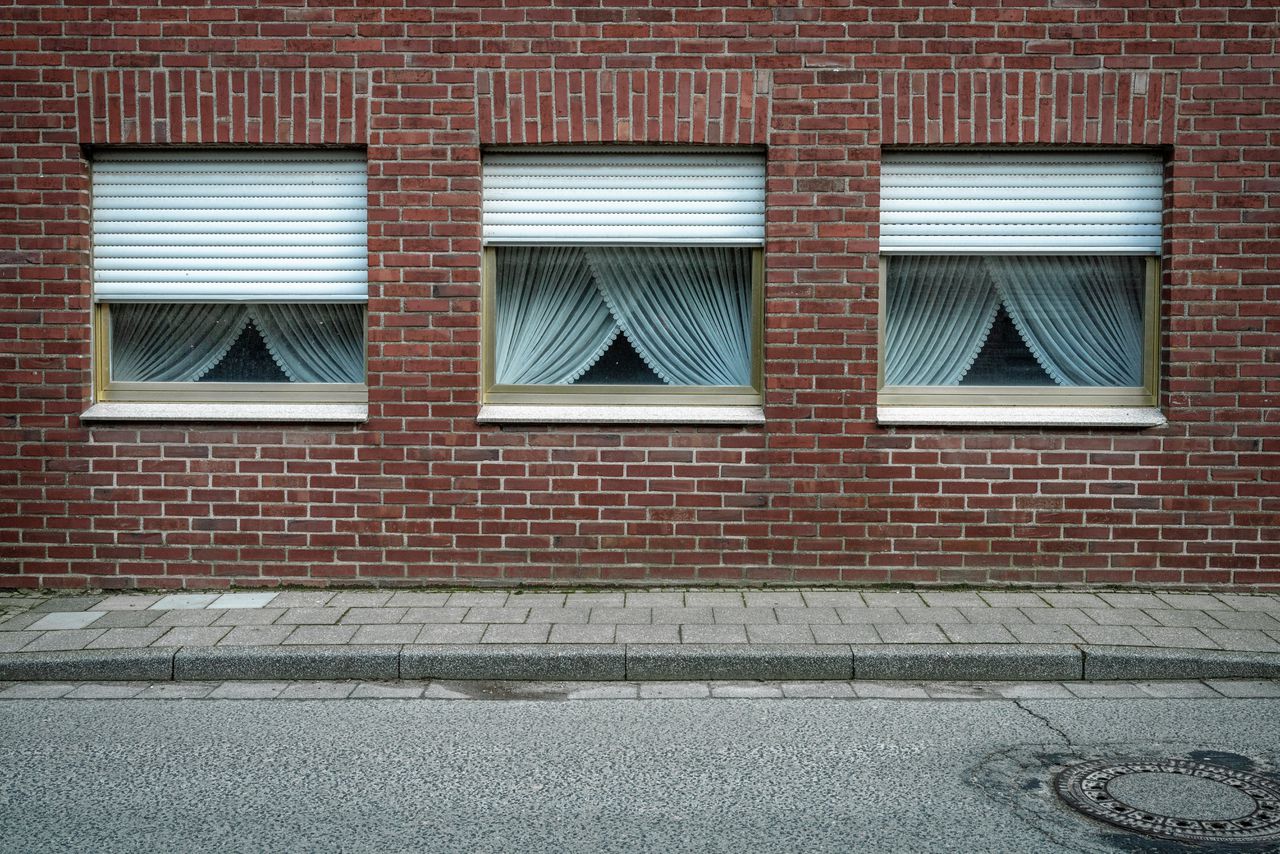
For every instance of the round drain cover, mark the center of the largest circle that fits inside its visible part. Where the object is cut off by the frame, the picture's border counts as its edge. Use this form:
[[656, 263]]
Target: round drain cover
[[1175, 799]]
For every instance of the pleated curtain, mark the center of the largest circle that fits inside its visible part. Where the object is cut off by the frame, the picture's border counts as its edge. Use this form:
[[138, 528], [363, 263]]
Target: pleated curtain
[[1080, 316]]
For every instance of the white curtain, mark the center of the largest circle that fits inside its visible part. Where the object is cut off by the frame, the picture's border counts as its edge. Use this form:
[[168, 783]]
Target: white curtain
[[314, 343], [939, 314], [552, 323], [1080, 315], [685, 309], [172, 342]]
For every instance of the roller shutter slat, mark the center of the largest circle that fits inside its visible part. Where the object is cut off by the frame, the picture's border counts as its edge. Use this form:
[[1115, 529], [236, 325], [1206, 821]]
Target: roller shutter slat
[[230, 225]]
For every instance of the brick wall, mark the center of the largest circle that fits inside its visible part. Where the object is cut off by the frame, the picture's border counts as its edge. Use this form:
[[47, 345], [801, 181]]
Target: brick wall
[[422, 494]]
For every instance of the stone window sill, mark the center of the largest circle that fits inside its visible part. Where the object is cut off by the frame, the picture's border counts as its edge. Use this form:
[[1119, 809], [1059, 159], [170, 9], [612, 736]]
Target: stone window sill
[[511, 413], [1135, 417], [313, 412]]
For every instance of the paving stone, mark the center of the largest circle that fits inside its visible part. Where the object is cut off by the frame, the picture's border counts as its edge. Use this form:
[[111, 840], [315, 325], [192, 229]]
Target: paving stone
[[655, 598], [65, 620], [1241, 688], [413, 599], [889, 691], [359, 600], [450, 633], [647, 634], [496, 615], [966, 690], [826, 634], [1246, 620], [714, 599], [682, 616], [1242, 602], [277, 663], [617, 614], [860, 616], [14, 641], [177, 691], [1106, 690], [764, 633], [1056, 616], [1045, 634], [129, 602], [517, 633], [663, 662], [387, 691], [932, 662], [1033, 690], [328, 635], [1072, 600], [248, 690], [880, 599], [1112, 635], [302, 598], [386, 634], [745, 690], [68, 603], [184, 601], [742, 616], [256, 636], [560, 616], [183, 617], [20, 622], [580, 633], [436, 691], [834, 598], [54, 641], [1191, 601], [1118, 616], [818, 690], [192, 636], [317, 691], [977, 633], [1184, 638], [674, 691], [807, 616], [1185, 619], [713, 634], [108, 691], [1004, 599], [617, 691], [434, 615], [478, 599], [250, 617], [931, 616], [36, 691], [372, 616], [989, 615], [1144, 601], [126, 638], [243, 600], [1242, 639], [773, 599], [953, 599], [910, 634], [1177, 690], [601, 599], [569, 662], [310, 616], [521, 599]]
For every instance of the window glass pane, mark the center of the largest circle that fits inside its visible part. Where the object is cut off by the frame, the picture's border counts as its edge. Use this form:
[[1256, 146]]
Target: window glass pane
[[1054, 320], [237, 342], [636, 315]]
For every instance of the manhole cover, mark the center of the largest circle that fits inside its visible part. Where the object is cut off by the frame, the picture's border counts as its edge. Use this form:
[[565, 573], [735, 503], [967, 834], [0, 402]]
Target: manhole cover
[[1175, 799]]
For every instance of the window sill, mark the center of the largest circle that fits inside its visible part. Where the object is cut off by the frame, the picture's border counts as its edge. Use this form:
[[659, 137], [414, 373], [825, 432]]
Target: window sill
[[513, 413], [315, 412], [1022, 416]]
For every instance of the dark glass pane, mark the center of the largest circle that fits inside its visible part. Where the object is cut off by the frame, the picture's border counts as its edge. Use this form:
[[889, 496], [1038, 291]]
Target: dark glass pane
[[1005, 359], [620, 365], [248, 361]]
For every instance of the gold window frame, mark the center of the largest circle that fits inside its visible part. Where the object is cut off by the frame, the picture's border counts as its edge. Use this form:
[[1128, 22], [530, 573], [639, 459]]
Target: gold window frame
[[613, 395], [1145, 396], [109, 391]]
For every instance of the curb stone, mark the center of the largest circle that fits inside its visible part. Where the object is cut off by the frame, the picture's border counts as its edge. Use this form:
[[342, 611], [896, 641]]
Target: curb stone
[[642, 662]]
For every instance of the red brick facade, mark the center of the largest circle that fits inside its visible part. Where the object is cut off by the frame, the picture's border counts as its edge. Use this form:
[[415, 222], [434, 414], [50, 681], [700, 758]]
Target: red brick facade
[[421, 494]]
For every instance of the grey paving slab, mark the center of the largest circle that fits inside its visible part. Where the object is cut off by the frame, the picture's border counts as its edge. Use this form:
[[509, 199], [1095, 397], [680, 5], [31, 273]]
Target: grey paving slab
[[560, 615], [745, 690], [1072, 600], [773, 599], [326, 635], [860, 616], [1000, 616], [931, 616], [978, 633], [1119, 616], [910, 634], [256, 636], [681, 616], [674, 690], [359, 600], [1194, 601], [773, 633], [381, 633], [250, 617], [807, 616], [578, 662], [478, 599], [243, 600], [1242, 688], [1112, 635], [65, 620], [1032, 690], [104, 664], [602, 599], [106, 692], [582, 633], [1057, 616], [1104, 662], [714, 599], [1045, 634], [184, 601], [863, 633], [308, 616], [889, 691], [953, 599], [434, 615], [1183, 638], [496, 615], [878, 599], [1144, 601], [192, 636], [1020, 662], [1004, 599], [318, 691], [372, 616], [126, 638], [19, 622], [248, 690], [387, 691], [1242, 639], [186, 617], [1244, 602], [733, 662], [1246, 620], [516, 633], [1177, 690], [73, 639], [36, 691], [69, 603], [450, 633], [276, 663], [14, 641], [1185, 619], [655, 598], [1106, 690], [302, 598], [743, 616], [129, 602], [834, 598], [827, 690], [713, 634], [414, 599], [647, 634], [536, 600], [619, 691], [177, 691], [618, 614]]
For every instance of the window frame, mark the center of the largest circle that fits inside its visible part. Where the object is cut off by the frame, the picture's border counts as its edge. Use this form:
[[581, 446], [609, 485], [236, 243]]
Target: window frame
[[625, 395], [1145, 396]]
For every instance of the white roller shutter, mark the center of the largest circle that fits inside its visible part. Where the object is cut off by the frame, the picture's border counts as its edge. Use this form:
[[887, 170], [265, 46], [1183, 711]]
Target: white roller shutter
[[230, 225], [1003, 202], [704, 197]]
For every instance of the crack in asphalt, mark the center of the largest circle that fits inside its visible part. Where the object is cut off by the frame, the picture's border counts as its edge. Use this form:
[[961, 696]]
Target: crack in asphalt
[[1044, 720]]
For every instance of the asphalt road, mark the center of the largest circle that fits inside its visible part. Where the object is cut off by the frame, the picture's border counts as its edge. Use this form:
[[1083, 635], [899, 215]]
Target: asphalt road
[[626, 775]]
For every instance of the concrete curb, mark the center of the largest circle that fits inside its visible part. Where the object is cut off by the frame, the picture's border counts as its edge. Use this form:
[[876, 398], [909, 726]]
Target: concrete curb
[[642, 662]]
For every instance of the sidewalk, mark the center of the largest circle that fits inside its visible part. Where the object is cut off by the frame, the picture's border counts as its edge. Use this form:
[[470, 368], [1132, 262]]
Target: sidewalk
[[657, 635]]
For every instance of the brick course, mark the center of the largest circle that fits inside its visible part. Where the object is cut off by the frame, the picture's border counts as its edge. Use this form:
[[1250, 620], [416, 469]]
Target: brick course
[[422, 494]]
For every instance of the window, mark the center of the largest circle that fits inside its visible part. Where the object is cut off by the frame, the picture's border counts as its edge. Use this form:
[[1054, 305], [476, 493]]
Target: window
[[623, 278], [1019, 279], [230, 276]]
